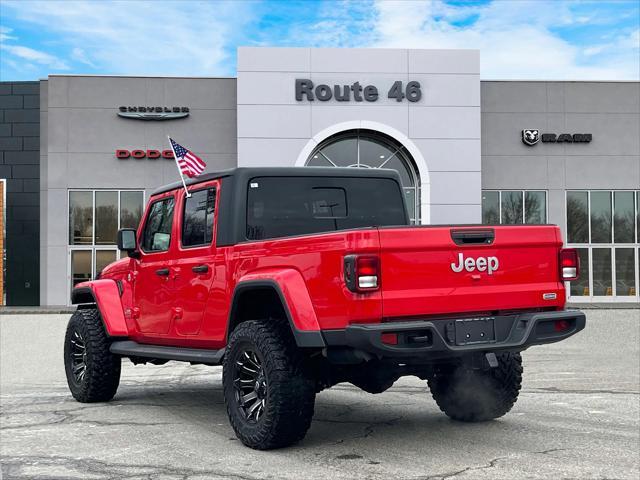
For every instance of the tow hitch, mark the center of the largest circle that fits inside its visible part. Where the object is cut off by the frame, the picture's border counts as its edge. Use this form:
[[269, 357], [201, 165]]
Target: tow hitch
[[491, 359], [481, 361]]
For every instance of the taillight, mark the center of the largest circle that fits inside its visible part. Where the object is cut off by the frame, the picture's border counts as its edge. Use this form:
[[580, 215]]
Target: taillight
[[569, 264], [362, 272]]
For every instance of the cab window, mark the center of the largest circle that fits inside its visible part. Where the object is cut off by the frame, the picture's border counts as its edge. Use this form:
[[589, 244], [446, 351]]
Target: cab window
[[156, 236], [197, 222], [284, 206]]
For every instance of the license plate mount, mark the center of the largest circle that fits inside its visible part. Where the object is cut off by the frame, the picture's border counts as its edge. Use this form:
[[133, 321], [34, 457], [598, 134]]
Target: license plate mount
[[475, 330]]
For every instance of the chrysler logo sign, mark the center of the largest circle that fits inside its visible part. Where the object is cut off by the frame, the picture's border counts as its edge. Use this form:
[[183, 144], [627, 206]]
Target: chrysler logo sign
[[153, 113], [531, 136]]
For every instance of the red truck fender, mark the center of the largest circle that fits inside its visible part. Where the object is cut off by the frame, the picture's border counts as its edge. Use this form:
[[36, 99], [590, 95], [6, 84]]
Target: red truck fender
[[290, 287], [106, 296]]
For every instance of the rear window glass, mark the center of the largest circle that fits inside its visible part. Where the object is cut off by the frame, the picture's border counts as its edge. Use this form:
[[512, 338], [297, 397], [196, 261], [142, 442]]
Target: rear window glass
[[285, 206]]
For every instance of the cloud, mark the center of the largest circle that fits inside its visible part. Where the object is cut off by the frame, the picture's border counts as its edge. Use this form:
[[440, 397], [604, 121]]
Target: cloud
[[36, 56], [27, 54], [80, 55], [335, 24], [175, 38], [517, 39], [4, 34], [514, 44]]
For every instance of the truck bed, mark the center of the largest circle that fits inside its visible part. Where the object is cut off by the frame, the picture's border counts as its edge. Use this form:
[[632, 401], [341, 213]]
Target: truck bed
[[416, 276]]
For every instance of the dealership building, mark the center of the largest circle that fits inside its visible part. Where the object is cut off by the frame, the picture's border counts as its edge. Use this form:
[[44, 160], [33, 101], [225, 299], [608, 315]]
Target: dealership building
[[80, 155]]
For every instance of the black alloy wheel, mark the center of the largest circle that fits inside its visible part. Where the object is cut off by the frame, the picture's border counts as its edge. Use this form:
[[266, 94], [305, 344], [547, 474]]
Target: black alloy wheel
[[78, 356], [250, 385]]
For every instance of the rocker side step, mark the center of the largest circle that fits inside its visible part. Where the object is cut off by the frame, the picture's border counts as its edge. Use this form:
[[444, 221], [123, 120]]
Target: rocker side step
[[129, 348]]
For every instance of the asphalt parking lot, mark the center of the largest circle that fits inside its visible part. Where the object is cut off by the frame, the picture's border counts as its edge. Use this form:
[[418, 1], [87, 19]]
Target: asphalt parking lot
[[578, 416]]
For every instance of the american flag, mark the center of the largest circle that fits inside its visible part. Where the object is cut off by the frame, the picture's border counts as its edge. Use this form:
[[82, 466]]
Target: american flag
[[190, 164]]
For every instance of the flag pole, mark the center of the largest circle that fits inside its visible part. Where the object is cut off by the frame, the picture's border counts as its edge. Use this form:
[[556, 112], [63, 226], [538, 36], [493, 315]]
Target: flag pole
[[175, 157]]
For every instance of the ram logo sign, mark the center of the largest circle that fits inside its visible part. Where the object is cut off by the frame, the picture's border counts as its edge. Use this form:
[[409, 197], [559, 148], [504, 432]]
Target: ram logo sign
[[530, 137]]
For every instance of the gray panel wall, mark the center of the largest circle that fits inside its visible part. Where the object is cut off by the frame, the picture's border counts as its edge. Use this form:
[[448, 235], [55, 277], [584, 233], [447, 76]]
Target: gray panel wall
[[443, 127], [608, 110], [84, 131], [19, 157]]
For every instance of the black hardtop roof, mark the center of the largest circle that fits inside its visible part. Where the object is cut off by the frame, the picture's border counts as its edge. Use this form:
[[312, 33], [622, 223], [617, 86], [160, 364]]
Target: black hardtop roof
[[246, 173]]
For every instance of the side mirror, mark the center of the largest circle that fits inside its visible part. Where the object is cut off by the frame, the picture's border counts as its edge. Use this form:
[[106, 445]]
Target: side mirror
[[127, 240]]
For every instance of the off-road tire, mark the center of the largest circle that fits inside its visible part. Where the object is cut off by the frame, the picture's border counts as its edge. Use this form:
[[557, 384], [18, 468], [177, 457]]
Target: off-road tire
[[470, 395], [290, 390], [102, 374]]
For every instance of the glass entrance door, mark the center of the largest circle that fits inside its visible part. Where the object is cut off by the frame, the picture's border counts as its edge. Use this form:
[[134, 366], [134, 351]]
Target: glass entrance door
[[604, 226], [94, 219]]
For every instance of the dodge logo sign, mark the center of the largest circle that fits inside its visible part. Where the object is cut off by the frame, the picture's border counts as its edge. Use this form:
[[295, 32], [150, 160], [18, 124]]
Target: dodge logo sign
[[123, 154], [530, 137]]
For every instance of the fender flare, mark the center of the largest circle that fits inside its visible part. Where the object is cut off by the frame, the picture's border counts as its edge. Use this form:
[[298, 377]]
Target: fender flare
[[294, 297], [106, 295]]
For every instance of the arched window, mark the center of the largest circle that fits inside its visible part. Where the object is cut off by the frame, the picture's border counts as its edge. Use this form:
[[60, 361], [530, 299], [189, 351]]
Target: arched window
[[371, 149]]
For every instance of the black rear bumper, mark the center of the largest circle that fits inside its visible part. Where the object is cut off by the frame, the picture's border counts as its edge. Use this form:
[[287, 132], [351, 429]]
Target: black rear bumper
[[437, 338]]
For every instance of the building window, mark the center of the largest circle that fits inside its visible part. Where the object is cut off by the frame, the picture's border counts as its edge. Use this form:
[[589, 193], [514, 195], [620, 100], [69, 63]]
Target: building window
[[511, 207], [623, 221], [106, 217], [601, 217], [80, 218], [604, 226], [581, 286], [490, 208], [94, 219], [577, 217], [371, 149]]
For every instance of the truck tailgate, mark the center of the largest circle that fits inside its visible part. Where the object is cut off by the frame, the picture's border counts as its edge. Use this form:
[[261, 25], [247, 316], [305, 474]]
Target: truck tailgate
[[426, 272]]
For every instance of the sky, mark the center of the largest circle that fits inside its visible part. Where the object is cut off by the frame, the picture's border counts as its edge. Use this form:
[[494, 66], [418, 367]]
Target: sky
[[517, 39]]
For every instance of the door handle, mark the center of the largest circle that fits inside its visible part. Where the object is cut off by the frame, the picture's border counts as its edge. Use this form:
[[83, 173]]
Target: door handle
[[163, 272], [200, 269]]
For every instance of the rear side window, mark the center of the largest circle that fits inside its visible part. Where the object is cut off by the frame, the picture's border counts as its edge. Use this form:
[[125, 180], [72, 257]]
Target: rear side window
[[284, 206], [197, 223], [156, 236]]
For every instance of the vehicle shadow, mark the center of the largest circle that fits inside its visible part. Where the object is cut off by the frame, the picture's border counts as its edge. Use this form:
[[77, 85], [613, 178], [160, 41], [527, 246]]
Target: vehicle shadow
[[404, 415]]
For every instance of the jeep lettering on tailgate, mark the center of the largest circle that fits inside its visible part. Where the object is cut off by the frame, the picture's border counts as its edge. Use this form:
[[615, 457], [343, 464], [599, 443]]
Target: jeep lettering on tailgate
[[490, 264]]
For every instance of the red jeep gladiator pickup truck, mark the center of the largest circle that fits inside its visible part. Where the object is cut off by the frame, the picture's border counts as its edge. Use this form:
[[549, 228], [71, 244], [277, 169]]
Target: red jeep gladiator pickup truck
[[296, 279]]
